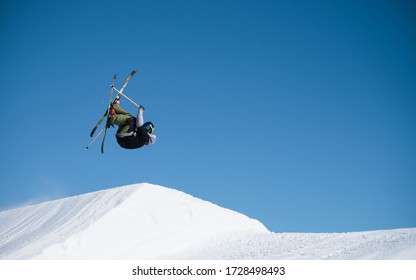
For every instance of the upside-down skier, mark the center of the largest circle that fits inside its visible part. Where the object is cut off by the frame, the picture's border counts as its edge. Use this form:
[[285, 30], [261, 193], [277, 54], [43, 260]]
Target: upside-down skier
[[132, 132]]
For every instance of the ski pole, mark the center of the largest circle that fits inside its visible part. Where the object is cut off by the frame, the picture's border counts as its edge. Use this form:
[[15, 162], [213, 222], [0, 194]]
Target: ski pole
[[128, 98], [95, 138]]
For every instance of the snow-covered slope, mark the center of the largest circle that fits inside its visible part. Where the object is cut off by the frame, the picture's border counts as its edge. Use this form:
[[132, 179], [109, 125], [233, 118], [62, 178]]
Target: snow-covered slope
[[145, 221], [137, 221], [385, 244]]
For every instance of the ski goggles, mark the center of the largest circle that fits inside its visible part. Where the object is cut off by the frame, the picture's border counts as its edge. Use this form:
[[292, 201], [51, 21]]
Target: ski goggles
[[149, 127]]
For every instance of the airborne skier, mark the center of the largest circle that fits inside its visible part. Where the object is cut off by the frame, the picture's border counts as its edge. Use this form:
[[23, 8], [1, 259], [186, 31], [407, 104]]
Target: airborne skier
[[132, 132]]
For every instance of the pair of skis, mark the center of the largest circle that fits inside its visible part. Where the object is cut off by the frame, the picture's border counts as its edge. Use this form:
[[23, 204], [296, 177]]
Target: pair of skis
[[106, 114]]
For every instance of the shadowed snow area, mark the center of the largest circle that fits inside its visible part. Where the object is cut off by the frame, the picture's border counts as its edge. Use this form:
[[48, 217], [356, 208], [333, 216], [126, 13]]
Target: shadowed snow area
[[145, 221]]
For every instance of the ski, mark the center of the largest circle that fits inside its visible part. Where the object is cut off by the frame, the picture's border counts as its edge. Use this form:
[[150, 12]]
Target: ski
[[110, 104], [127, 80], [105, 113], [121, 90]]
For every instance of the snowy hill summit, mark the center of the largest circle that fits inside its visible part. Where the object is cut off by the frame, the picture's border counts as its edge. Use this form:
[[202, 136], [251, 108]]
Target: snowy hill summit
[[145, 221]]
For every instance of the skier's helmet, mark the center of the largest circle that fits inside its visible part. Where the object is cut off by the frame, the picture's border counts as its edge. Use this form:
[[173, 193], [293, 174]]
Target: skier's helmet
[[149, 127]]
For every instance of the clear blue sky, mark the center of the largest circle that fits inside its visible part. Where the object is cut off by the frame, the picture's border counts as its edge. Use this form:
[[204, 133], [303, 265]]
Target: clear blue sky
[[301, 114]]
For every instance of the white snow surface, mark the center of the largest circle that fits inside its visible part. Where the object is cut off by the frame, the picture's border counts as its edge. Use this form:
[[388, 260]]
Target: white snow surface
[[145, 221]]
